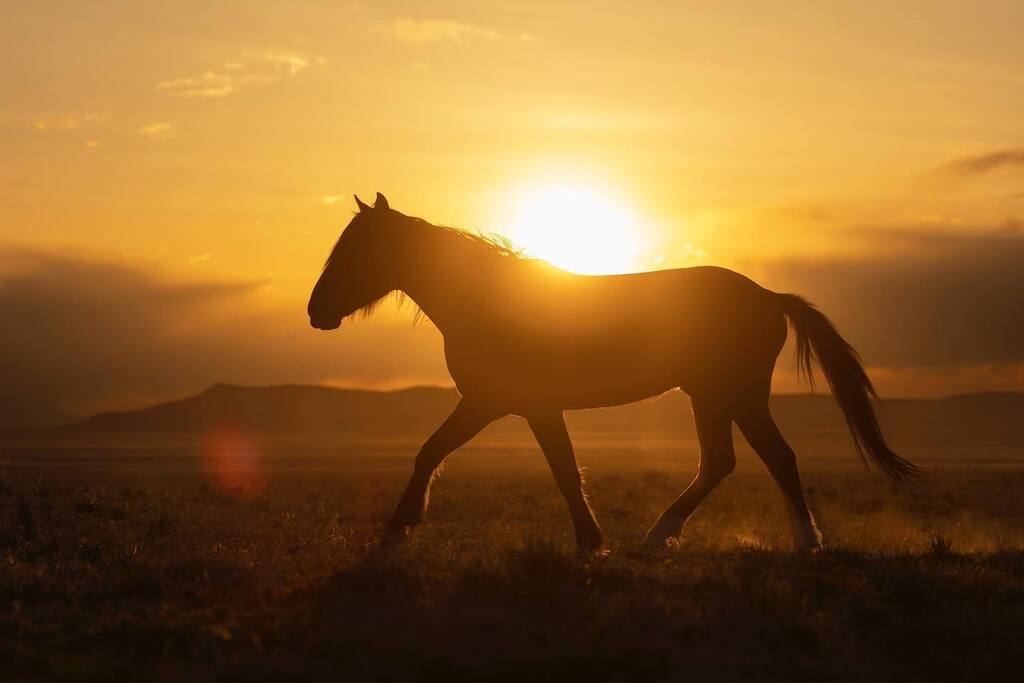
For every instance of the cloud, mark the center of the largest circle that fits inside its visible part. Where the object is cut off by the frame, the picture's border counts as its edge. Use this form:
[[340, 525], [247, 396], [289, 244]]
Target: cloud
[[231, 77], [967, 194], [983, 163], [932, 299], [211, 84], [290, 62], [85, 333], [425, 31], [72, 121], [156, 132]]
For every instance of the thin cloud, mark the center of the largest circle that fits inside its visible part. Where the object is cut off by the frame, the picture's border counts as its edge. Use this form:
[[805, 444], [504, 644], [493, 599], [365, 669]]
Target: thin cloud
[[211, 84], [231, 77], [983, 163], [426, 31], [290, 62], [162, 130], [72, 121]]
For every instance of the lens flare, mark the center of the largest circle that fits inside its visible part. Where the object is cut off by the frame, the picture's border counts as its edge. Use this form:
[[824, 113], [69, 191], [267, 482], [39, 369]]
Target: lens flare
[[234, 463]]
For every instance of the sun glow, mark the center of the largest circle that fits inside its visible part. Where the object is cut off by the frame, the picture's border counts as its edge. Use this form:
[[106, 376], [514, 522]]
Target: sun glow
[[576, 229]]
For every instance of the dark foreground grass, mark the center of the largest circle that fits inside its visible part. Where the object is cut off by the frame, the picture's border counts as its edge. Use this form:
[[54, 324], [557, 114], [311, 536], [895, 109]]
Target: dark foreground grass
[[150, 577]]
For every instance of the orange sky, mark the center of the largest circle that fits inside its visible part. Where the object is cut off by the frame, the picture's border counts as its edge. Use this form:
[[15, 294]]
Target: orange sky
[[208, 142]]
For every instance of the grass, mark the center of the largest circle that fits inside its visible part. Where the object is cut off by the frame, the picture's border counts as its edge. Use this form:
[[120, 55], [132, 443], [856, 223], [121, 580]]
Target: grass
[[149, 572]]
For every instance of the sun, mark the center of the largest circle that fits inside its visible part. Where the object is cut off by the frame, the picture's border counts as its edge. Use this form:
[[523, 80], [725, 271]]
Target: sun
[[577, 229]]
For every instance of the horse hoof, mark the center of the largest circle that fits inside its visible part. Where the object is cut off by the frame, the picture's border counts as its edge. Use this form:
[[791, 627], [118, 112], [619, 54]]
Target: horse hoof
[[395, 534], [663, 534], [658, 540], [809, 550], [598, 553]]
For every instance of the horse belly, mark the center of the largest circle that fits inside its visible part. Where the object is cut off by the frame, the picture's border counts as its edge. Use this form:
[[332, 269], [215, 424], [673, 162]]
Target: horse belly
[[585, 375]]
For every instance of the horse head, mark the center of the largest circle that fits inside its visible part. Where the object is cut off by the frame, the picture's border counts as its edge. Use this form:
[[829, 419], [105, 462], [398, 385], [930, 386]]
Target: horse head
[[359, 271]]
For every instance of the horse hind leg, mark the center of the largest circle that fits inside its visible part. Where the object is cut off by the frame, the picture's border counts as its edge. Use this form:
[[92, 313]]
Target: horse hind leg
[[717, 461], [764, 437]]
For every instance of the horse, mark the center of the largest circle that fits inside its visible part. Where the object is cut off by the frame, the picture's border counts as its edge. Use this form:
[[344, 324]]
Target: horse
[[522, 337]]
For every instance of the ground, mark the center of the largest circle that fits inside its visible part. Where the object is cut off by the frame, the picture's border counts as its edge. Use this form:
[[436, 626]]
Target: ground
[[133, 562]]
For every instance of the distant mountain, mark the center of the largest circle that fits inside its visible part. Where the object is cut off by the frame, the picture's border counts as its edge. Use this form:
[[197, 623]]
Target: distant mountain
[[287, 409], [986, 418]]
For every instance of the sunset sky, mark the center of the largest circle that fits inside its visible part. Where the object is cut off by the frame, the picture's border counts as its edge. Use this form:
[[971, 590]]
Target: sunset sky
[[172, 175]]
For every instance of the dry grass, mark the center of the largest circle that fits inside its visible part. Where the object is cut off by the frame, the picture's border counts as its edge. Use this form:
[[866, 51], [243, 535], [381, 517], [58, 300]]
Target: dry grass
[[122, 570]]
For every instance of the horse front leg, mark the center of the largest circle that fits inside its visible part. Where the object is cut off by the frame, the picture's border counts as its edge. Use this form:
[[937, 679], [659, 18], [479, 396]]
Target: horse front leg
[[463, 424], [553, 437]]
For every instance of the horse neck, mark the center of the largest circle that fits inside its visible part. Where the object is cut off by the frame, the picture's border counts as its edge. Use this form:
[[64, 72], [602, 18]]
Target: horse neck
[[448, 276]]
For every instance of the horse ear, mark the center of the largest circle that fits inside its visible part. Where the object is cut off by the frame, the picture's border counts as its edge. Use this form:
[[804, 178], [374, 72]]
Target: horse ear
[[361, 204], [381, 202]]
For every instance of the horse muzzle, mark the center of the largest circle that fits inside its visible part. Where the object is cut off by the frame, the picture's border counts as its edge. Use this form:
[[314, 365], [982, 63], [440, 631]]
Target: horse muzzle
[[325, 324]]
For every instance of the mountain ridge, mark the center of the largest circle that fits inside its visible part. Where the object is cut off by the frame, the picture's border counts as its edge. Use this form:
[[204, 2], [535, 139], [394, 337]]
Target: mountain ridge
[[313, 408]]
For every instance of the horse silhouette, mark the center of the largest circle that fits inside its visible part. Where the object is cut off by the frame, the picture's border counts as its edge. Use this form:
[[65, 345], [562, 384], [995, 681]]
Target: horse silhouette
[[525, 338]]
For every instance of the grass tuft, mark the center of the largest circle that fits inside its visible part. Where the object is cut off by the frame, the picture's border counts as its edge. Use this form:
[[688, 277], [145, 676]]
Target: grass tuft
[[941, 546]]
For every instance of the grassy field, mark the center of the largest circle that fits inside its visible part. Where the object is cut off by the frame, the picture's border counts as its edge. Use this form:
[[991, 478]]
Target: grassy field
[[131, 561]]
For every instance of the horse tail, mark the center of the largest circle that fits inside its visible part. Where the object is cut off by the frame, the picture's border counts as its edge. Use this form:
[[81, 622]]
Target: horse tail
[[818, 342]]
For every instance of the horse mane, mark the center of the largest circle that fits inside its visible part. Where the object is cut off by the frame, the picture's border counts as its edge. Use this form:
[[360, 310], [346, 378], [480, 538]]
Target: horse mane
[[498, 244], [488, 245]]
